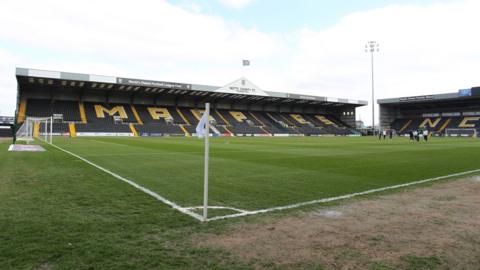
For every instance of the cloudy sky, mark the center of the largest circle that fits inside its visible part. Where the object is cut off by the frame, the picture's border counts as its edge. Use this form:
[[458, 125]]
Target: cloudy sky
[[304, 46]]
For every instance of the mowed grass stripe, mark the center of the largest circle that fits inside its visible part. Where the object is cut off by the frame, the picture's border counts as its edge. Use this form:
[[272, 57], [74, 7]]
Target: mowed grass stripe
[[254, 173], [58, 212]]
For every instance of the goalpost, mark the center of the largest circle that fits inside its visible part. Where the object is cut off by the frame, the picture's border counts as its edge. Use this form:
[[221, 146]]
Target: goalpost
[[460, 132], [36, 128]]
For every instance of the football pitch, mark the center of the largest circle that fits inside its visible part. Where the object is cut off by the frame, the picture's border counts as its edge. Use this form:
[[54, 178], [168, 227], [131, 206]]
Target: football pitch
[[254, 175], [58, 212]]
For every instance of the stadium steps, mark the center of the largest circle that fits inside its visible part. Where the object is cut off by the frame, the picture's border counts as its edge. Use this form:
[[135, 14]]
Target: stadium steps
[[258, 120], [73, 131], [177, 119], [132, 128], [185, 131], [445, 125], [214, 129], [405, 126], [182, 116], [264, 130], [135, 114], [223, 118], [277, 123], [190, 116], [196, 113], [228, 130], [83, 115], [286, 120], [21, 111], [292, 126]]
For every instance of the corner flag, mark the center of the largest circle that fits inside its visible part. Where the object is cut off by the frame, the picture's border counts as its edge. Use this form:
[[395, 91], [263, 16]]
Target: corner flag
[[203, 131], [201, 127]]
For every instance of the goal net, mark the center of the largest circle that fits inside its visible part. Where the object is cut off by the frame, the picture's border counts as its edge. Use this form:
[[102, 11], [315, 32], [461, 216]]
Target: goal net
[[36, 128], [460, 132]]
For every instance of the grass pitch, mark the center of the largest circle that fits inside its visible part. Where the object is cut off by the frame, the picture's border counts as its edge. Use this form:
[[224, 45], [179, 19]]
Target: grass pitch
[[257, 173], [58, 212]]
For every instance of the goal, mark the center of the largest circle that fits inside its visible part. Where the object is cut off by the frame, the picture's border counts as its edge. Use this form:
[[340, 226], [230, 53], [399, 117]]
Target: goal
[[460, 132], [36, 128]]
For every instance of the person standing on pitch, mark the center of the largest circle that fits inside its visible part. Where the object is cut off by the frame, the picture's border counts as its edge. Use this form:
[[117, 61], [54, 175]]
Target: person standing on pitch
[[384, 132], [425, 135], [379, 134], [415, 135], [411, 135], [390, 133]]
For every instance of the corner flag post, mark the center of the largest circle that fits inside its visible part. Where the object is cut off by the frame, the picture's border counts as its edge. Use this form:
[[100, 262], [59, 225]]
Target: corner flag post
[[205, 176], [51, 130]]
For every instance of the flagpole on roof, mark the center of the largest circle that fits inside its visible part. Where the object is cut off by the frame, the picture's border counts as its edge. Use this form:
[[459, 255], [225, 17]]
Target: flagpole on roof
[[245, 63]]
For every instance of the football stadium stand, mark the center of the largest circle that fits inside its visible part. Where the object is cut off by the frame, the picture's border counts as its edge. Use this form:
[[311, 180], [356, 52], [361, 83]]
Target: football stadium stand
[[452, 114], [6, 126], [92, 105]]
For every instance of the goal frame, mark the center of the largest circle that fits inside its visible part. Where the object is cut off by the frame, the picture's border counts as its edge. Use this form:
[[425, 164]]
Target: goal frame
[[457, 132], [26, 130]]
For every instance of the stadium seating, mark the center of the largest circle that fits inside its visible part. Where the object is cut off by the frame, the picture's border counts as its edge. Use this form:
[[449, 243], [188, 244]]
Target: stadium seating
[[58, 128], [157, 129], [98, 127], [154, 120], [241, 122], [437, 125], [105, 113], [5, 131], [187, 113], [46, 108], [269, 125]]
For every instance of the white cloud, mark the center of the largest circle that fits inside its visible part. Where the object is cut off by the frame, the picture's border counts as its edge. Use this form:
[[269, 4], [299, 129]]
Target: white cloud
[[423, 49], [8, 85], [146, 39], [237, 4]]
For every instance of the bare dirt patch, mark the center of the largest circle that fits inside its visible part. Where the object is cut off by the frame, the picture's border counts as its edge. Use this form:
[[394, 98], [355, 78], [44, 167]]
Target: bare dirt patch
[[436, 227], [44, 266]]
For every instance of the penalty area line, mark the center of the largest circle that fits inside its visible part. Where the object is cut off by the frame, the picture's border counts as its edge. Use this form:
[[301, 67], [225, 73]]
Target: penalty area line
[[137, 186], [343, 197]]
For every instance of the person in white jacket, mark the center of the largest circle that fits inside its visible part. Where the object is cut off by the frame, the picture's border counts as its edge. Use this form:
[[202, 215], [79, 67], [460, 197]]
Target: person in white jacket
[[425, 135]]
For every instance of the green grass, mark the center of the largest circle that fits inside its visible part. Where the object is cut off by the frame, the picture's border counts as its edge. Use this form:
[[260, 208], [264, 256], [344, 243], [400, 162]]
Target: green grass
[[257, 173], [57, 212]]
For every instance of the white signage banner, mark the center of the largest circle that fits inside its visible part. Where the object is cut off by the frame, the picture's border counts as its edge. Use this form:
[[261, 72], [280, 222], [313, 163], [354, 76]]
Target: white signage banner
[[242, 86], [82, 134]]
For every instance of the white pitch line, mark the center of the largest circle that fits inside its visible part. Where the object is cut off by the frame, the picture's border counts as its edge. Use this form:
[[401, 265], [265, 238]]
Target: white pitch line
[[130, 182], [260, 211], [347, 196], [218, 207]]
